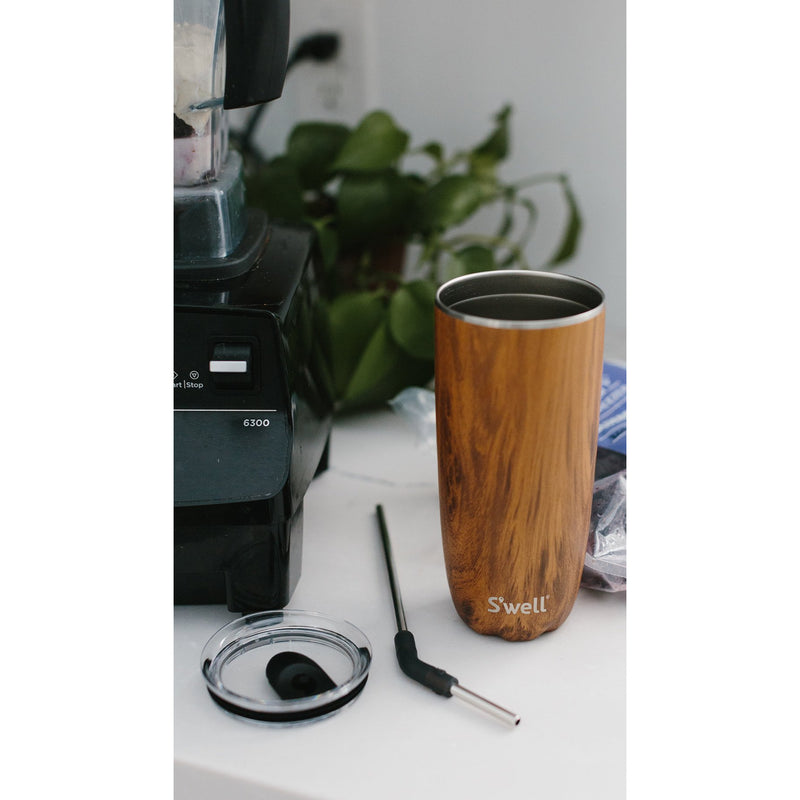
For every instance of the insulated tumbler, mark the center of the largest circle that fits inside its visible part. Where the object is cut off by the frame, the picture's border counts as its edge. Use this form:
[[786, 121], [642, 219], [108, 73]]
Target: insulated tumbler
[[519, 359]]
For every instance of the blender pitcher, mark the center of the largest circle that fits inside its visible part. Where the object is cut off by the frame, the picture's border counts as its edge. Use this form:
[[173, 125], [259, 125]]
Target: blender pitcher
[[227, 54], [200, 130]]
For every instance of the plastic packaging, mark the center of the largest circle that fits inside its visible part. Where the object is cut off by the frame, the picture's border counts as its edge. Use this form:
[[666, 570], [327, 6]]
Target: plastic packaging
[[605, 562], [604, 566], [418, 407]]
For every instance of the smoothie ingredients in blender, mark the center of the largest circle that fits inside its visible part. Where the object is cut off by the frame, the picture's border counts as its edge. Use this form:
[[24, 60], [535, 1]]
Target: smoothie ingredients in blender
[[200, 134]]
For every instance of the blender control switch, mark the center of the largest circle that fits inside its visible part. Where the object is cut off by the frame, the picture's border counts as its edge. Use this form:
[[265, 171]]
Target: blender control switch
[[231, 365]]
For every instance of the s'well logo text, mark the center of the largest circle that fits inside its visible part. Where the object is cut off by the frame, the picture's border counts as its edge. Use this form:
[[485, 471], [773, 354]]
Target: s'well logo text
[[536, 607]]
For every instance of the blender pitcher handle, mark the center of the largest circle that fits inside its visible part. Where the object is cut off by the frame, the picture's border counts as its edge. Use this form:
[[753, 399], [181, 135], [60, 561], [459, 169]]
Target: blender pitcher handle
[[257, 50]]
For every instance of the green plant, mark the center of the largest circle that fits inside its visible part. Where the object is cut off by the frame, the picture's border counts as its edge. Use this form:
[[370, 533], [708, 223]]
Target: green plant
[[351, 185]]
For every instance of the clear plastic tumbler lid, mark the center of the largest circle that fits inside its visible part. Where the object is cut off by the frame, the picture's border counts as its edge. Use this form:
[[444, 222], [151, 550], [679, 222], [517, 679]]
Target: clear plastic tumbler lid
[[286, 667]]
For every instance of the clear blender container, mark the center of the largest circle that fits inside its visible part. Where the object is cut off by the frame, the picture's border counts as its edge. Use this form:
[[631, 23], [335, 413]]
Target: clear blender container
[[210, 214], [228, 54], [200, 127]]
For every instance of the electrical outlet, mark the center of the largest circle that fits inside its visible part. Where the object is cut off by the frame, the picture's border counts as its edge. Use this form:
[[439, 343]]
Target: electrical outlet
[[337, 90], [342, 89]]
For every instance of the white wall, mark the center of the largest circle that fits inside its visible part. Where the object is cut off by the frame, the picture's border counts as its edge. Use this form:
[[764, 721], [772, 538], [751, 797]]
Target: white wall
[[442, 68]]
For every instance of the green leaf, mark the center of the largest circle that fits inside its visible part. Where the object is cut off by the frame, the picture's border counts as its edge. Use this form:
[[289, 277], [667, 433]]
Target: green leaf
[[312, 147], [384, 369], [450, 201], [411, 318], [474, 258], [496, 146], [377, 143], [483, 167], [572, 229], [371, 206], [327, 242], [352, 320], [276, 188], [434, 150]]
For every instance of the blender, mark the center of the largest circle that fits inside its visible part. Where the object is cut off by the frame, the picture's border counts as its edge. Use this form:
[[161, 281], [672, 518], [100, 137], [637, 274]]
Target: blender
[[253, 404]]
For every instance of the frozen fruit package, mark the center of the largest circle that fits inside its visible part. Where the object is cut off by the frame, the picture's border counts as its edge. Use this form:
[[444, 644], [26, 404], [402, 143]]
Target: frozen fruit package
[[604, 566]]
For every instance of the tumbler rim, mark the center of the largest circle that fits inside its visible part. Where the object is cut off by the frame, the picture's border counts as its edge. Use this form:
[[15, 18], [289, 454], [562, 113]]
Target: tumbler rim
[[521, 281]]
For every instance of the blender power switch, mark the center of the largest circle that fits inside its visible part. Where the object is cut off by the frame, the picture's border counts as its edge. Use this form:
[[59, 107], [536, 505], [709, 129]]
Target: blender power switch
[[231, 365]]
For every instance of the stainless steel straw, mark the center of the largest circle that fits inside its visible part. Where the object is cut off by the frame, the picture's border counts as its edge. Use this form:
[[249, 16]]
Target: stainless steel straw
[[435, 679]]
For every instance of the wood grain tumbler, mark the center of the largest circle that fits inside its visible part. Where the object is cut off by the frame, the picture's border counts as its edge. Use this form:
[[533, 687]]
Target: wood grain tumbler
[[519, 359]]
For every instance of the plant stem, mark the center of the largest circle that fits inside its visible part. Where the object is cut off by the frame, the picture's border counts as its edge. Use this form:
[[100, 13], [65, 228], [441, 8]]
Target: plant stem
[[447, 165], [551, 177], [533, 216], [494, 242]]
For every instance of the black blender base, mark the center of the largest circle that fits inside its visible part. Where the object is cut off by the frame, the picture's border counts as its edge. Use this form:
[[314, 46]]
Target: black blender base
[[229, 555]]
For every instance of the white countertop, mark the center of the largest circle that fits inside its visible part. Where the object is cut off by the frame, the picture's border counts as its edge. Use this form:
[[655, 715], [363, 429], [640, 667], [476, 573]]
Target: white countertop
[[398, 739]]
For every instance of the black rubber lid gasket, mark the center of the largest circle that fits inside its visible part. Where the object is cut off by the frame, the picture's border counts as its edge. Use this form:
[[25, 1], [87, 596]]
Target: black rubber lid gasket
[[290, 716]]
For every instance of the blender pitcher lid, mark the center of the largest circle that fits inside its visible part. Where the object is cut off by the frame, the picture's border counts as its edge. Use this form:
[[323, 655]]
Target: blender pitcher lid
[[286, 667]]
